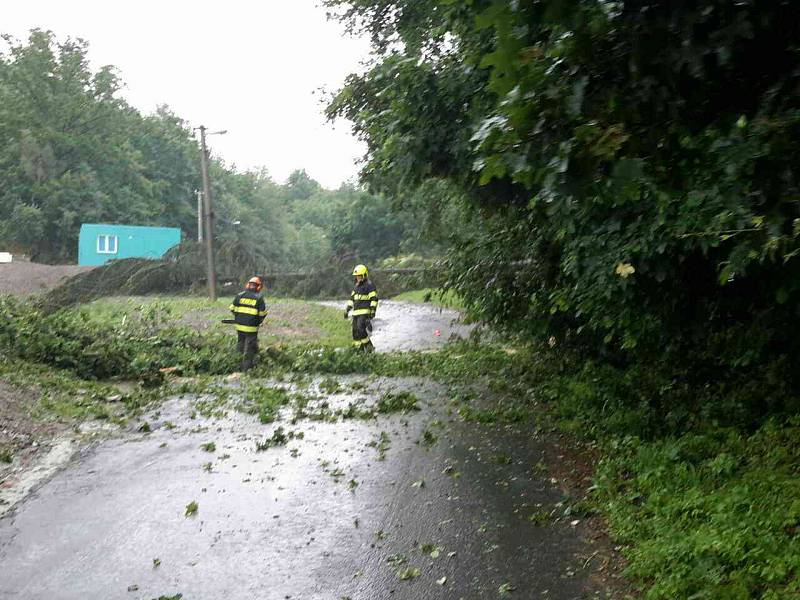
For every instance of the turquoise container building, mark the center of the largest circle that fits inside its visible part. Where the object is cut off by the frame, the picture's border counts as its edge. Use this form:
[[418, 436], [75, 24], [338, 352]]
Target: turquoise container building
[[99, 243]]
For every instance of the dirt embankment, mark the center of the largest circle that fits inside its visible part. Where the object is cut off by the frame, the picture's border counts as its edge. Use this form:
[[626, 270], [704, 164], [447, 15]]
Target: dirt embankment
[[21, 434], [24, 278]]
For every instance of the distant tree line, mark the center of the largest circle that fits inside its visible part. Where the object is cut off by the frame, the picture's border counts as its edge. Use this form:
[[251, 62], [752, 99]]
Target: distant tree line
[[73, 151]]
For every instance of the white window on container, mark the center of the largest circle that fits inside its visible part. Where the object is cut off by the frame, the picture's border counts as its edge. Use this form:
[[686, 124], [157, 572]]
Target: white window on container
[[106, 244]]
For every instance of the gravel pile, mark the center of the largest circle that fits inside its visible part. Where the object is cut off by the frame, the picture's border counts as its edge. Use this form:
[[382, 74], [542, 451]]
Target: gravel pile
[[24, 278]]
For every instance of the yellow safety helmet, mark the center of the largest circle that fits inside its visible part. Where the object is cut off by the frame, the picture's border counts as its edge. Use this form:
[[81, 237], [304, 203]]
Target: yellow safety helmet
[[360, 270]]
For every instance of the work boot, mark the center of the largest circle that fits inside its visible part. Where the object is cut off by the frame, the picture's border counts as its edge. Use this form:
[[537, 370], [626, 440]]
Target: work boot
[[249, 361]]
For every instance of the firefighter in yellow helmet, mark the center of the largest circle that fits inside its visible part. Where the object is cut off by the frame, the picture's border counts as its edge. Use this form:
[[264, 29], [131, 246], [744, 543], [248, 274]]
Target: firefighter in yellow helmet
[[363, 303], [249, 311]]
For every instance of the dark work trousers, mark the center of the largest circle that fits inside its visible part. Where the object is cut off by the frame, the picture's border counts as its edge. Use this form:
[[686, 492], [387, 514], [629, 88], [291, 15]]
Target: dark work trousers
[[247, 344], [361, 328]]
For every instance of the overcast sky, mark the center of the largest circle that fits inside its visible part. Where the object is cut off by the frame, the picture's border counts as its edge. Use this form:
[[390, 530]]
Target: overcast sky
[[251, 67]]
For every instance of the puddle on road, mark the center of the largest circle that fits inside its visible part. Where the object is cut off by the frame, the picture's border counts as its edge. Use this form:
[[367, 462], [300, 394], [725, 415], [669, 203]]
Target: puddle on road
[[402, 326], [403, 505]]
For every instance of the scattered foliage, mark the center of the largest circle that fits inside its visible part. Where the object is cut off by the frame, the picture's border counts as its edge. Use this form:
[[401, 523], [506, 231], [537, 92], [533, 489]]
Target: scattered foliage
[[279, 437], [392, 402], [408, 573]]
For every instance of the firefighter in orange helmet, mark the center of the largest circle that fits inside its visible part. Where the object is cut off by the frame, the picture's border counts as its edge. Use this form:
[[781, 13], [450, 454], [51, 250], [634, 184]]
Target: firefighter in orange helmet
[[249, 311]]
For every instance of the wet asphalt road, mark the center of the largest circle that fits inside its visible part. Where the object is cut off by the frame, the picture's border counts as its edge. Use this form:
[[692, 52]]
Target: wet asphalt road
[[323, 517], [406, 326]]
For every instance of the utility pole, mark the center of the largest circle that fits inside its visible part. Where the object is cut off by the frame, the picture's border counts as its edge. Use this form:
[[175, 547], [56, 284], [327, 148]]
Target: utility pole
[[211, 274], [199, 215]]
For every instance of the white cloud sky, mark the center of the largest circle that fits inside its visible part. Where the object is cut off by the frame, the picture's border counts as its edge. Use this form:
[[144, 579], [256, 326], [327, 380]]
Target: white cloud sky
[[251, 67]]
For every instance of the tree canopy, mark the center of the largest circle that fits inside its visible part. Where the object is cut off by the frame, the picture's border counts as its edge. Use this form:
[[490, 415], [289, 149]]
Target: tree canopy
[[630, 165]]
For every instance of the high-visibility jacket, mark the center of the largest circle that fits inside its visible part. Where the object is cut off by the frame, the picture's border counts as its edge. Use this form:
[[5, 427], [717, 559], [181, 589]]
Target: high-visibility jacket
[[249, 311], [363, 299]]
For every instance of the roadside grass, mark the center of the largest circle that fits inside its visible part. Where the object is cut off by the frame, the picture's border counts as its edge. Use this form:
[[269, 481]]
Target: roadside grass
[[289, 321], [443, 299], [62, 394], [703, 500], [712, 514]]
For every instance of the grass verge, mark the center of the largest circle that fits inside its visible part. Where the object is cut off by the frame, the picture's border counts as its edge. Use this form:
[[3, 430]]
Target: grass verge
[[62, 393], [288, 321]]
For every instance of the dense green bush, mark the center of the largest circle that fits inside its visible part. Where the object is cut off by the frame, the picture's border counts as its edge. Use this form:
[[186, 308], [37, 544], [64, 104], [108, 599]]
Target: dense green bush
[[712, 515], [628, 167]]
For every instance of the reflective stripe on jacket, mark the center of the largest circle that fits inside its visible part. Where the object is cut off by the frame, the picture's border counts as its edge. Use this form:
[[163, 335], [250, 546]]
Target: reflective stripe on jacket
[[249, 311], [364, 299]]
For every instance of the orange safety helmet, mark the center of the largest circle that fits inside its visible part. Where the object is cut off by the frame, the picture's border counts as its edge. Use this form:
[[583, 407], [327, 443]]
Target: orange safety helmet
[[255, 284]]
